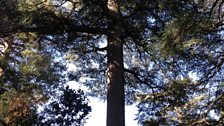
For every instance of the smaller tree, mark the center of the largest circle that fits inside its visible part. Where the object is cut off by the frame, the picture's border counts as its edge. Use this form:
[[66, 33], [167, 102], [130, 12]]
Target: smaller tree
[[68, 109]]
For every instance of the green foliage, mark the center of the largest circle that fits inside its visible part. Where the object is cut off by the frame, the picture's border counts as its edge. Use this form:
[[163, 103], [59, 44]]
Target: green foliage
[[18, 108], [31, 76], [70, 108], [182, 34], [33, 80]]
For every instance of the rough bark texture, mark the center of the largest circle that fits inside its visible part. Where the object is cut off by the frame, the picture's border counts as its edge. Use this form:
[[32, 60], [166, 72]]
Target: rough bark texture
[[115, 72]]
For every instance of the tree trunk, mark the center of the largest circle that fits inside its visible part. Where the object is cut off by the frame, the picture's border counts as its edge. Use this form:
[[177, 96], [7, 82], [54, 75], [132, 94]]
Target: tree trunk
[[115, 70]]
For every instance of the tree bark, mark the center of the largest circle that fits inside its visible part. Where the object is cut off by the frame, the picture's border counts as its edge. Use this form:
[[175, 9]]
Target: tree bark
[[115, 70]]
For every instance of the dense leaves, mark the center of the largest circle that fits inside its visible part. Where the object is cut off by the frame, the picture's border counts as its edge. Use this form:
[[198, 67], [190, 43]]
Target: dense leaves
[[31, 71], [70, 109]]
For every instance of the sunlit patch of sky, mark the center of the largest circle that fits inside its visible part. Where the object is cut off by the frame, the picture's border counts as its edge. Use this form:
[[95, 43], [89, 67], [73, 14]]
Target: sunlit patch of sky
[[71, 67], [193, 76], [68, 6], [102, 43], [214, 115]]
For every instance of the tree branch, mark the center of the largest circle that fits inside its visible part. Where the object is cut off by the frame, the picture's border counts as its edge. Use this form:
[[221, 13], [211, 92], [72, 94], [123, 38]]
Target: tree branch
[[55, 30]]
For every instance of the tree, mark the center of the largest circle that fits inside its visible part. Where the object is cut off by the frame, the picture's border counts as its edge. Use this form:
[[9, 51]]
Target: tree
[[163, 42], [30, 75], [17, 109], [69, 109], [32, 80], [115, 51], [25, 83], [185, 49]]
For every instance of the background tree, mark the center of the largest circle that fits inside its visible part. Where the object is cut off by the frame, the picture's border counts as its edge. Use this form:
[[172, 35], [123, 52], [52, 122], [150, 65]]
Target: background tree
[[190, 48], [70, 109], [31, 72], [32, 76]]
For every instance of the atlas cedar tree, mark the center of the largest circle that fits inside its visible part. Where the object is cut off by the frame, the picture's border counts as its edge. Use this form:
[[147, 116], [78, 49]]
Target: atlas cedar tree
[[169, 39]]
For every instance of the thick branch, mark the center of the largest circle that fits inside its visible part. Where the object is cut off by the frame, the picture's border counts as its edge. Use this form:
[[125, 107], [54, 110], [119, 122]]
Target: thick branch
[[55, 30], [136, 75], [141, 79]]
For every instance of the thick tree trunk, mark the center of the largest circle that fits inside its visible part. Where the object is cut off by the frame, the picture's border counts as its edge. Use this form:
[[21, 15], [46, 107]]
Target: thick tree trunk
[[115, 72]]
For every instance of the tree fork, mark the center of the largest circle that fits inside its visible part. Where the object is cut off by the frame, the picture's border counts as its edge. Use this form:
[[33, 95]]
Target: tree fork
[[115, 68]]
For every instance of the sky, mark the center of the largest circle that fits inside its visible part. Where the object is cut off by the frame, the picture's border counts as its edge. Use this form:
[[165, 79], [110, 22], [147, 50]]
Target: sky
[[97, 117], [98, 114]]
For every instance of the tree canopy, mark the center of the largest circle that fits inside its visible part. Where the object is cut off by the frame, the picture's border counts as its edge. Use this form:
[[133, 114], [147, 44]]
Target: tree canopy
[[165, 55], [32, 74]]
